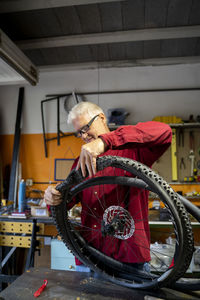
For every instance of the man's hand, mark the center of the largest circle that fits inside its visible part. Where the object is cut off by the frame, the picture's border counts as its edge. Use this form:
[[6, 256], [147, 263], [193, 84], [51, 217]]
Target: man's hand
[[88, 156], [52, 196]]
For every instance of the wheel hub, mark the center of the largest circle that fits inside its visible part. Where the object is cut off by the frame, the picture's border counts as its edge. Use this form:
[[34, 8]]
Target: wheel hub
[[117, 222]]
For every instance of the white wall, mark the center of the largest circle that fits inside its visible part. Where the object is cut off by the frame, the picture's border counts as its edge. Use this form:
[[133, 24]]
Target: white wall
[[142, 106]]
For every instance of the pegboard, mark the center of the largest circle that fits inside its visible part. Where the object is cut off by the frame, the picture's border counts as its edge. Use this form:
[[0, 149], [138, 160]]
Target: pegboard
[[163, 165]]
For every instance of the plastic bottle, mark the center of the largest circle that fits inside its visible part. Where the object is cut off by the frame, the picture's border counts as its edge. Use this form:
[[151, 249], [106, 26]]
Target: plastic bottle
[[21, 196]]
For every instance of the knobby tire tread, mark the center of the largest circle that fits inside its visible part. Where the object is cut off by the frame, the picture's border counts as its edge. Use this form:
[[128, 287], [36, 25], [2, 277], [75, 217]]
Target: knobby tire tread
[[60, 215]]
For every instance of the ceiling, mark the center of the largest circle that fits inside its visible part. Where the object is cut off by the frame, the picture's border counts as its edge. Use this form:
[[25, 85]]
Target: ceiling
[[104, 32]]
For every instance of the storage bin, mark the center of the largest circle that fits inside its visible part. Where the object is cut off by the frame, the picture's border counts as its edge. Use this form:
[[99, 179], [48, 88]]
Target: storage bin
[[61, 257]]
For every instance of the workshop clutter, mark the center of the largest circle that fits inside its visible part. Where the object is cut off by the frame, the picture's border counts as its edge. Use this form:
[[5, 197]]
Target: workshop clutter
[[37, 205], [195, 263], [167, 250], [176, 120], [117, 116], [164, 251], [168, 119], [157, 210], [40, 210], [33, 204]]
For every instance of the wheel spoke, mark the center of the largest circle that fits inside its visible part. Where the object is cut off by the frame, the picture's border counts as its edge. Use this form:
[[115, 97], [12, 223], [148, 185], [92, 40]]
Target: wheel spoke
[[112, 230]]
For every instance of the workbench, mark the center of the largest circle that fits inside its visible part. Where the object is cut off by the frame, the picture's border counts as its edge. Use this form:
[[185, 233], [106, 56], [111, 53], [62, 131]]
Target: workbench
[[21, 233], [75, 285], [80, 286]]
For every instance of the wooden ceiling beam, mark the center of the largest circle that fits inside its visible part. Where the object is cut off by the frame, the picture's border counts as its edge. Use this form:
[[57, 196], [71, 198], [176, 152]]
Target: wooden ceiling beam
[[112, 37], [24, 5], [122, 63]]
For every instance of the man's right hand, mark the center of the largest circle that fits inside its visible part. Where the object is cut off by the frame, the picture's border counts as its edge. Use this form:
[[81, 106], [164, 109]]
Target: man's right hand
[[52, 196], [88, 156]]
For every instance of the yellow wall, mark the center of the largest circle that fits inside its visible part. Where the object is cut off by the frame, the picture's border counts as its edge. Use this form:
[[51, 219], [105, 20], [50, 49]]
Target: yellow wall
[[32, 158]]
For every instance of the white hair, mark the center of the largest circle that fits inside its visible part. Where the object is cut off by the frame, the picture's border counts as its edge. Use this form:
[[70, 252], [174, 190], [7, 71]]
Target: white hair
[[89, 108]]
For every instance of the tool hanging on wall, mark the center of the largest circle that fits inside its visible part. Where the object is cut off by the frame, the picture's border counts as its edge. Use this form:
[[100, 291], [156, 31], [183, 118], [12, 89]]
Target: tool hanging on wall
[[181, 138], [174, 156], [182, 163], [191, 154]]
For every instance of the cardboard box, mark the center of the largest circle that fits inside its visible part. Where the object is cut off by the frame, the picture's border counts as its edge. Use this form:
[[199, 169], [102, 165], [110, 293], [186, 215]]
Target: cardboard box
[[38, 211]]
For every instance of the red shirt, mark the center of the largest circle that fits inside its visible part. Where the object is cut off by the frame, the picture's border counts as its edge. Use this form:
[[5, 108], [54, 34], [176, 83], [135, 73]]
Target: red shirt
[[144, 142]]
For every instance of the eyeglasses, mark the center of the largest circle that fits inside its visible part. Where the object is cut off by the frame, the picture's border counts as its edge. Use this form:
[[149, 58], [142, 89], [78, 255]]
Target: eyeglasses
[[85, 128]]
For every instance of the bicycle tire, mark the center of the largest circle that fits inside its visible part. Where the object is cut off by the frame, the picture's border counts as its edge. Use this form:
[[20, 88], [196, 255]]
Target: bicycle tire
[[112, 269]]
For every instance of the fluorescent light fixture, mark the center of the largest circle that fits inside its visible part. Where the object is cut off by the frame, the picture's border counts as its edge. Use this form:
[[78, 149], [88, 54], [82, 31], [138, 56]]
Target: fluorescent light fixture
[[8, 75], [16, 59]]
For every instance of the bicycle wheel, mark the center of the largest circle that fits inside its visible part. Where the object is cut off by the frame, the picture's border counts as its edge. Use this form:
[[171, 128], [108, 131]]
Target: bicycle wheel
[[166, 251]]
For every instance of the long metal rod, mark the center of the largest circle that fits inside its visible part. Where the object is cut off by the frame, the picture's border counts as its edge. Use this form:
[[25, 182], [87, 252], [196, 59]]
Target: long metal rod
[[16, 183], [58, 121], [128, 91], [43, 128], [56, 97], [4, 261], [31, 252], [1, 257], [13, 174], [61, 136]]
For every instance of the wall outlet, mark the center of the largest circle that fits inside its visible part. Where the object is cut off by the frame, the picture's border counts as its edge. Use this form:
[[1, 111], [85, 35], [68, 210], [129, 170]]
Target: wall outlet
[[29, 182]]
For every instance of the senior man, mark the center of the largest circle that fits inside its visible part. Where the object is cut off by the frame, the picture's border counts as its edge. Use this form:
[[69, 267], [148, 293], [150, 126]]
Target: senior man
[[144, 142]]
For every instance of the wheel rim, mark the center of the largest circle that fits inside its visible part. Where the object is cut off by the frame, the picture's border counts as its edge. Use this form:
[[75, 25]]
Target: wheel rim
[[81, 241]]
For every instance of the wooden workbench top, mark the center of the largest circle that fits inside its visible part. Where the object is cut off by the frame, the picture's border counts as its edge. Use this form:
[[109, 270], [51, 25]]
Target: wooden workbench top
[[66, 285]]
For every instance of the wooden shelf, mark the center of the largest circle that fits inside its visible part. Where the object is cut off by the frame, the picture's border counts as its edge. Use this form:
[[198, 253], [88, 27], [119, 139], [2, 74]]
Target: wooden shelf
[[173, 125], [187, 197], [183, 183], [185, 125], [167, 223]]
